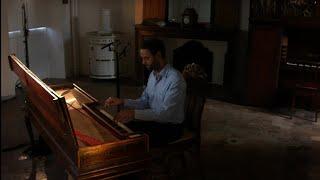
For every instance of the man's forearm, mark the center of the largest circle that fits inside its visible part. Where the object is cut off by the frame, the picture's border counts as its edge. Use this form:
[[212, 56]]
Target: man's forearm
[[135, 104]]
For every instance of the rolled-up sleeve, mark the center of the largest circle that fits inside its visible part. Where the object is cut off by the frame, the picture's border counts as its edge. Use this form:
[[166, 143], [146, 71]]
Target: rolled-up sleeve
[[141, 103], [172, 105]]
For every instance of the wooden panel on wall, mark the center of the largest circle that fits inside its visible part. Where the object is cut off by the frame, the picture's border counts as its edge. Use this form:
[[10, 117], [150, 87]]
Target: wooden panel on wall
[[138, 17], [227, 13], [154, 9], [147, 9], [263, 65]]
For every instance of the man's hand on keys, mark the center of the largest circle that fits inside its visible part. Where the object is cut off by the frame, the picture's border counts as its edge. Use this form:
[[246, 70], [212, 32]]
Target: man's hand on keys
[[113, 101]]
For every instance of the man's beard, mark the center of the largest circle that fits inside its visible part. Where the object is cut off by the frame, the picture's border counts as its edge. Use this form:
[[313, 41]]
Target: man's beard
[[149, 67]]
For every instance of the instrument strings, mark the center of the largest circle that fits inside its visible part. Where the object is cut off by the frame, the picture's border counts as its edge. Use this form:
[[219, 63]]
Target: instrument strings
[[84, 114]]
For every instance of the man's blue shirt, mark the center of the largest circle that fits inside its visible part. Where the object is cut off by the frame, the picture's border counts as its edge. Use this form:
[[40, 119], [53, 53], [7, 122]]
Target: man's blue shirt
[[163, 99]]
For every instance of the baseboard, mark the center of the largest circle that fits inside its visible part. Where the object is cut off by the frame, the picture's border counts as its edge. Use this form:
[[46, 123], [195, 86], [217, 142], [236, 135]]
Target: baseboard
[[5, 98]]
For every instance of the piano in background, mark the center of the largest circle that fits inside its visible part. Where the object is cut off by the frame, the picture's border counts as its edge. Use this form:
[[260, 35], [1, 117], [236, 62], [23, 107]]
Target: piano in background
[[83, 137], [300, 57]]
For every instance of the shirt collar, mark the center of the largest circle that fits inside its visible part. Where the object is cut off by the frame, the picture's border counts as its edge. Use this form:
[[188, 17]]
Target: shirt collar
[[162, 73]]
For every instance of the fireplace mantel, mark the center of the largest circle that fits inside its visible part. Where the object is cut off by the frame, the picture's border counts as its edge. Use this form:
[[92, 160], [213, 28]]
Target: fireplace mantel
[[200, 33], [177, 32]]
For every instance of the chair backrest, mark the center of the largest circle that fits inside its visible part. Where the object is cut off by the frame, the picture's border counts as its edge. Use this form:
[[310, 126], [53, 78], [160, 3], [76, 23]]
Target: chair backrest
[[196, 96]]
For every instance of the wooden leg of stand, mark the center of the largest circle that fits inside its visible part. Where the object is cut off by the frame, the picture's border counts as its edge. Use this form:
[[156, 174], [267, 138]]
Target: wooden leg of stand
[[29, 128], [33, 173]]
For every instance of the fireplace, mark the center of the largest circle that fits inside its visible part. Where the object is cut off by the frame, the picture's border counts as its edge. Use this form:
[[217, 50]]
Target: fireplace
[[193, 52], [214, 41]]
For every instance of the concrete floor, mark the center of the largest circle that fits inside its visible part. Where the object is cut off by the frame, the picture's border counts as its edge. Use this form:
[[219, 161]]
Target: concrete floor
[[238, 142]]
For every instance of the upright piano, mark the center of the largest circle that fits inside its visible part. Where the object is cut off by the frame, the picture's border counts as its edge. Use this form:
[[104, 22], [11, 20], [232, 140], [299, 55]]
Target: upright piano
[[300, 61], [83, 137]]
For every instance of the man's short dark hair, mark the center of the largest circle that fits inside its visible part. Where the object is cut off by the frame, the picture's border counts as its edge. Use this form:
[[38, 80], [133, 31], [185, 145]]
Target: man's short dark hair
[[154, 45]]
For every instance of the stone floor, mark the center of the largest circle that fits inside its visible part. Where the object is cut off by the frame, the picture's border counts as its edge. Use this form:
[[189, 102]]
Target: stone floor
[[238, 142]]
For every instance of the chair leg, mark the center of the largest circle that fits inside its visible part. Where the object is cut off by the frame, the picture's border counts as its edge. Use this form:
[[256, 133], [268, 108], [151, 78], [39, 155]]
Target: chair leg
[[184, 160], [175, 170], [199, 169], [316, 107]]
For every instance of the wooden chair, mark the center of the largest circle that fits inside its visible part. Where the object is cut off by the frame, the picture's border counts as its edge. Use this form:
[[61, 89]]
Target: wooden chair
[[191, 137], [308, 87]]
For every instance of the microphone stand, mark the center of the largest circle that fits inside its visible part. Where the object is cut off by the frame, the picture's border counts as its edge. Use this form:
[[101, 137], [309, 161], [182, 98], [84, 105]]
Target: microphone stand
[[38, 148], [25, 34], [119, 55], [29, 150]]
